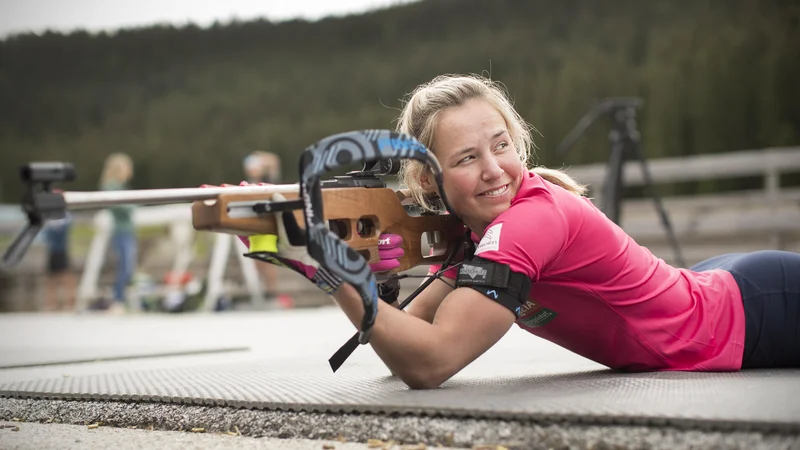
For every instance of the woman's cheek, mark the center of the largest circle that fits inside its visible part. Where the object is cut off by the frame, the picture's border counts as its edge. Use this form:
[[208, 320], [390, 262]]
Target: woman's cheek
[[454, 191]]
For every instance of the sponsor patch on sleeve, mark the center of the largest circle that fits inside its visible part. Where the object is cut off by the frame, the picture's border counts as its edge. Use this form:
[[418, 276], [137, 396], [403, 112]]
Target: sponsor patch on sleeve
[[490, 240]]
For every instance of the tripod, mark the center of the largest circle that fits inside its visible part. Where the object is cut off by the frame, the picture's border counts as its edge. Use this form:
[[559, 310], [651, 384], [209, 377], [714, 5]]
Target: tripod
[[625, 140]]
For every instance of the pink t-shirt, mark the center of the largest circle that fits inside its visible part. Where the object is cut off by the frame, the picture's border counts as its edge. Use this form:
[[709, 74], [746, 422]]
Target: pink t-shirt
[[598, 293]]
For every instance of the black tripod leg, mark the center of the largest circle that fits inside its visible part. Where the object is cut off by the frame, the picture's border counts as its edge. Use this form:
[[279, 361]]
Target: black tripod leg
[[665, 222], [612, 187], [17, 249]]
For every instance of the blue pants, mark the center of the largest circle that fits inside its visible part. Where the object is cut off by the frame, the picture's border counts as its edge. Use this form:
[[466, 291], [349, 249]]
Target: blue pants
[[769, 281], [125, 247]]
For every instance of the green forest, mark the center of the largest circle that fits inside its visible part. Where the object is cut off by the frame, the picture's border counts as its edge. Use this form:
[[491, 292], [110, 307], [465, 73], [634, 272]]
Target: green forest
[[189, 103]]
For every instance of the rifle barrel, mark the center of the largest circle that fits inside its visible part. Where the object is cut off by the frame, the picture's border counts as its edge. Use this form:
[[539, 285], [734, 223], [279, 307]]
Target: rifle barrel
[[99, 199]]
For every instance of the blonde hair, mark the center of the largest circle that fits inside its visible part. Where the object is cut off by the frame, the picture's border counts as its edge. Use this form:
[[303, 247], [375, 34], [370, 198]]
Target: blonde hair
[[117, 167], [421, 112]]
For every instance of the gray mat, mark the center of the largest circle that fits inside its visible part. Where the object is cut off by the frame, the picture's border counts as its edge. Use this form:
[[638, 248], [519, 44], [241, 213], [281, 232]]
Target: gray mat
[[756, 400], [34, 357]]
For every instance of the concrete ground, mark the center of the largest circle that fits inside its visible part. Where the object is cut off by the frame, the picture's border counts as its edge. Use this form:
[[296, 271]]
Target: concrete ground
[[36, 436]]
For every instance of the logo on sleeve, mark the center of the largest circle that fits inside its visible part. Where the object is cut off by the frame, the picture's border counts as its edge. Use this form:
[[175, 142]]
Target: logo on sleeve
[[490, 240], [472, 271], [534, 315]]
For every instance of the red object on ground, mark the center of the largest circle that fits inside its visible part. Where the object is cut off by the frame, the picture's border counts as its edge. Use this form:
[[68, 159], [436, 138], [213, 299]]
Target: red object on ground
[[180, 278], [285, 301]]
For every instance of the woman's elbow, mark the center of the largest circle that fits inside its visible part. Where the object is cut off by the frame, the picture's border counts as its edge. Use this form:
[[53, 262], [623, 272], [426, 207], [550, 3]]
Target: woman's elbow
[[426, 377], [420, 383]]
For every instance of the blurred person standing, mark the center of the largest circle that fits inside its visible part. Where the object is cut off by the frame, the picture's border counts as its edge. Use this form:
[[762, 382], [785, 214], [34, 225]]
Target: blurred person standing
[[117, 173], [61, 284], [265, 167]]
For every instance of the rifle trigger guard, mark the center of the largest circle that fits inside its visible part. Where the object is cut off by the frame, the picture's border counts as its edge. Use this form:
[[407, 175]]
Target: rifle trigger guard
[[325, 246]]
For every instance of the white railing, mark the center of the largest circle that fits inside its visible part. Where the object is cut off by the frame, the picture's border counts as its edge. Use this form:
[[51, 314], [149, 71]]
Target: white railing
[[765, 218], [178, 218]]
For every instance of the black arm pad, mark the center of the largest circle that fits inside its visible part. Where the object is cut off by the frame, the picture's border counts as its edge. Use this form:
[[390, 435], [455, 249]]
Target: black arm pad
[[496, 281]]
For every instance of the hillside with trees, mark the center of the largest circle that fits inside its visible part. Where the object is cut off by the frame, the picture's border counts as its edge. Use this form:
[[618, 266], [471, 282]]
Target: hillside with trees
[[188, 103]]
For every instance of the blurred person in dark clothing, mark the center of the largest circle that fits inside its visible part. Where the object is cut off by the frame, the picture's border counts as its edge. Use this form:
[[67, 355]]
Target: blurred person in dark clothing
[[60, 278]]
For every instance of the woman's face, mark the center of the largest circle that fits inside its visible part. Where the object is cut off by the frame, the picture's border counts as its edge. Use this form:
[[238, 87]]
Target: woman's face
[[482, 171], [125, 173], [253, 171]]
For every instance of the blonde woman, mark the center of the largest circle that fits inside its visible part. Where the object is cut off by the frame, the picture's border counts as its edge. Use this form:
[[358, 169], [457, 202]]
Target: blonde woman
[[574, 277], [117, 173]]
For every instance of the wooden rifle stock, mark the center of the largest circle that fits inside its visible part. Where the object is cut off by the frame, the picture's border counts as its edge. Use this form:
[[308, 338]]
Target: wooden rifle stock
[[358, 215]]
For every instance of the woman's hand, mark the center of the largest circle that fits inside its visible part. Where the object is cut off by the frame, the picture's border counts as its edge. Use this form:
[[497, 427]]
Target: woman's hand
[[390, 252]]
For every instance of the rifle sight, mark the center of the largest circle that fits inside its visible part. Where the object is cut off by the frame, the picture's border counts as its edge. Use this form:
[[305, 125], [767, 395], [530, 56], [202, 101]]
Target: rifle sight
[[47, 172], [389, 166]]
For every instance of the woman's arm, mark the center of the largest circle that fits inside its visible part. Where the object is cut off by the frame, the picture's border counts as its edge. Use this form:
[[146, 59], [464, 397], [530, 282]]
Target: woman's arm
[[427, 302], [424, 355]]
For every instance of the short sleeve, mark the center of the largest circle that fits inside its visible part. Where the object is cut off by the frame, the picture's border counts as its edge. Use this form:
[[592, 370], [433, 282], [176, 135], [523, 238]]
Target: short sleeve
[[527, 237]]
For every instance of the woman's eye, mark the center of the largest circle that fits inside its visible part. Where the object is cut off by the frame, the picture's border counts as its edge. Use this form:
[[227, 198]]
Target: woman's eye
[[465, 159], [502, 145]]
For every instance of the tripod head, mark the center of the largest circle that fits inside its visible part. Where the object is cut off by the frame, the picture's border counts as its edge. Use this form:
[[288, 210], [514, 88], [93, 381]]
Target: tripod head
[[40, 203], [611, 106]]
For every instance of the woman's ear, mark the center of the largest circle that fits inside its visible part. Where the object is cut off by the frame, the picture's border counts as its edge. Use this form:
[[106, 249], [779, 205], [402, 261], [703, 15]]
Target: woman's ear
[[428, 183]]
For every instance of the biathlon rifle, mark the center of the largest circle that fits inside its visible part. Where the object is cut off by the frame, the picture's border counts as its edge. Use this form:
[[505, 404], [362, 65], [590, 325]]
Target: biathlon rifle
[[343, 217]]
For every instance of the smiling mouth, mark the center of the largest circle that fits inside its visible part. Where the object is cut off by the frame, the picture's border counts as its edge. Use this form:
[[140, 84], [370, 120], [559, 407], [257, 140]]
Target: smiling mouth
[[495, 192]]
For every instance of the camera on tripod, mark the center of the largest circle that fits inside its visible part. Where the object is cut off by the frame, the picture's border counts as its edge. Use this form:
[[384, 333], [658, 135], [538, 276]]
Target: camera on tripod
[[40, 203], [625, 141]]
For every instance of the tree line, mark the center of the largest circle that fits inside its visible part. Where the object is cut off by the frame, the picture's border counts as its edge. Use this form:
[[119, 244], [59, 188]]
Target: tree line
[[189, 103]]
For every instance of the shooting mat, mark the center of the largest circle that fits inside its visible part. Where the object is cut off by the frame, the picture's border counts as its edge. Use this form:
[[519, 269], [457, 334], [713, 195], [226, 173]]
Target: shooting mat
[[522, 378]]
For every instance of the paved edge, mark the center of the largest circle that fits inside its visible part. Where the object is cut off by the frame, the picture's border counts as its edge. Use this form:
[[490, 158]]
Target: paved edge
[[682, 423], [37, 436], [432, 431]]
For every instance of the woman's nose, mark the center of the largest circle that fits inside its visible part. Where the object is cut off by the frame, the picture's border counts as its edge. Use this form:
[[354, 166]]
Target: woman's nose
[[492, 169]]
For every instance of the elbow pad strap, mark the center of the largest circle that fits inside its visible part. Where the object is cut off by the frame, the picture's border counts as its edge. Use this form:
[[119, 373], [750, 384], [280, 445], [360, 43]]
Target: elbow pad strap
[[496, 281]]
